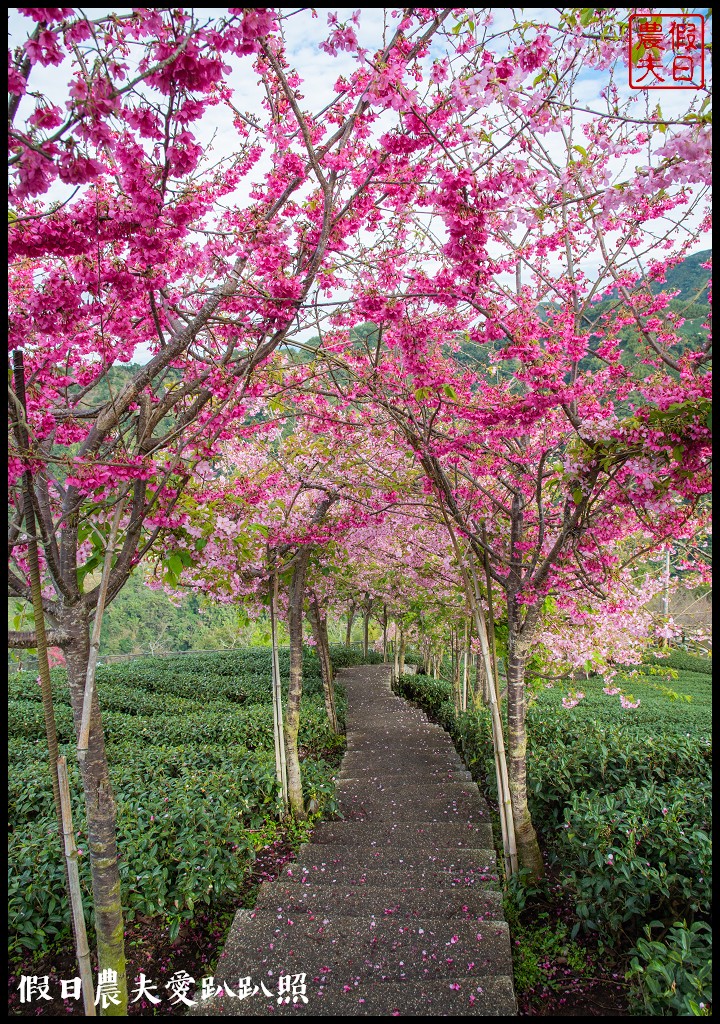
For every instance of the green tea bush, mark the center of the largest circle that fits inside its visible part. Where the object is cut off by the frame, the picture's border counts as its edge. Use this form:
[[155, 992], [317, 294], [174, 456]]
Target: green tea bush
[[673, 976], [190, 749], [684, 662], [620, 797], [640, 853], [346, 657], [606, 757]]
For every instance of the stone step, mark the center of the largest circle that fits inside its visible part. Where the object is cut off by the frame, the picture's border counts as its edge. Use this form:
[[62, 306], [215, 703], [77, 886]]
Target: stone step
[[461, 997], [358, 728], [401, 790], [413, 802], [366, 900], [449, 793], [369, 775], [415, 732], [413, 834], [399, 881], [395, 760], [354, 796], [337, 947], [399, 859], [438, 815], [420, 752]]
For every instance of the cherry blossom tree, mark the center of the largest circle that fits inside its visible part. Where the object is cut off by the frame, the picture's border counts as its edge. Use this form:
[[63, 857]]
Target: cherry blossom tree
[[127, 232], [530, 358], [478, 251]]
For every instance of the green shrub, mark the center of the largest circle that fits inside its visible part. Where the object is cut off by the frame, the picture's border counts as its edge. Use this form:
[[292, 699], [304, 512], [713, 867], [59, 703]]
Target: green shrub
[[347, 657], [190, 750], [684, 662], [631, 787], [637, 854], [673, 976], [605, 757]]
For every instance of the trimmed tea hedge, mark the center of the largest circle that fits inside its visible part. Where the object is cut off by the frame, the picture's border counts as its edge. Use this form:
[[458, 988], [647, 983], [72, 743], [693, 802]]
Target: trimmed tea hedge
[[190, 748], [622, 800]]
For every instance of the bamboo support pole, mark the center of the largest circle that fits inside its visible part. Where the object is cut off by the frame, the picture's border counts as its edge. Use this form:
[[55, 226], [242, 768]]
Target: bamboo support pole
[[31, 527], [278, 726], [384, 634], [507, 824], [465, 669], [84, 731], [81, 944], [511, 863]]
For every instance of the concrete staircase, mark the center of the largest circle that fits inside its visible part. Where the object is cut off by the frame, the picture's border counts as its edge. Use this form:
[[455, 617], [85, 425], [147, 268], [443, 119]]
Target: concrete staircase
[[393, 911]]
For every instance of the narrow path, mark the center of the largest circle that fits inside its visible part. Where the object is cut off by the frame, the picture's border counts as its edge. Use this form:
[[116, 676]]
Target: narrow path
[[393, 911]]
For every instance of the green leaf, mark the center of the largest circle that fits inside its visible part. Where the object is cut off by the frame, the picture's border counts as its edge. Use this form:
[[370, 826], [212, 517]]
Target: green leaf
[[450, 392], [422, 393], [577, 495], [586, 16], [175, 564]]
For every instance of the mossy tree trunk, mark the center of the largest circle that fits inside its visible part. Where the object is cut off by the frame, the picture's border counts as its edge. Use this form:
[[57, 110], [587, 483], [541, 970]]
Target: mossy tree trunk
[[384, 634], [528, 847], [318, 624], [367, 612], [349, 622]]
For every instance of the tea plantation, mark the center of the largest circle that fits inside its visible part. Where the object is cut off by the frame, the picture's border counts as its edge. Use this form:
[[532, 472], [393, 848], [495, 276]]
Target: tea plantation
[[190, 747], [621, 800]]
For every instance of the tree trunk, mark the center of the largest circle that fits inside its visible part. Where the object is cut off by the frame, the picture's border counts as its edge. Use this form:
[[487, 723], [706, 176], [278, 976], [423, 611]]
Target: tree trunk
[[101, 811], [292, 711], [525, 835], [466, 667], [349, 624], [384, 634], [330, 689], [455, 662], [401, 659], [366, 627], [318, 624]]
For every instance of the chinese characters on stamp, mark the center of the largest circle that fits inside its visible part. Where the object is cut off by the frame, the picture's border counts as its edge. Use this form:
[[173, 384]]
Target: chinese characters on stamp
[[667, 51]]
